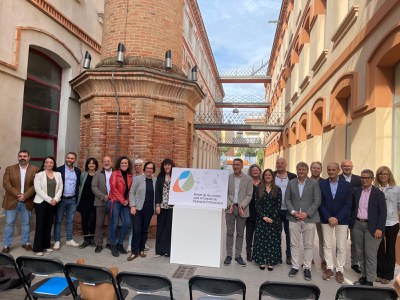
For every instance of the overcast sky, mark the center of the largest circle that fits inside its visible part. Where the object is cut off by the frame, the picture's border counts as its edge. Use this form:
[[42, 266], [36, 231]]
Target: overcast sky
[[240, 35]]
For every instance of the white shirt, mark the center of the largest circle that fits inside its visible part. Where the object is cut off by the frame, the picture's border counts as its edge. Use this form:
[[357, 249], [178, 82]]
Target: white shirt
[[301, 186], [108, 175], [22, 172], [237, 186], [282, 183], [347, 178]]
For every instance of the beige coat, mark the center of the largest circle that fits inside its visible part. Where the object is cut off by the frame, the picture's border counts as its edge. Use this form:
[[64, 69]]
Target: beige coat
[[245, 192], [41, 187]]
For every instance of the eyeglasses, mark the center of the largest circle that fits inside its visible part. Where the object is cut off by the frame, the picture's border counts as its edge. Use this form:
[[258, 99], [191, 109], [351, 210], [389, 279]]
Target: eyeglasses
[[347, 167], [366, 178], [383, 174]]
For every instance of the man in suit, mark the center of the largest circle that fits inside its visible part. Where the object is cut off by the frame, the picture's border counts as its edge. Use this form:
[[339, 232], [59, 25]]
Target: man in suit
[[355, 181], [70, 176], [368, 220], [240, 191], [336, 201], [100, 189], [18, 184], [282, 177], [302, 198]]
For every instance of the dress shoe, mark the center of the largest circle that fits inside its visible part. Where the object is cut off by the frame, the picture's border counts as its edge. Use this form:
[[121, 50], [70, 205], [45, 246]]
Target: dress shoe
[[356, 268], [131, 257], [227, 260], [92, 242], [84, 244], [378, 279], [385, 281], [289, 261], [27, 247], [339, 277], [248, 258], [114, 250], [98, 249], [240, 261], [323, 266], [270, 268], [262, 267], [307, 274], [361, 281], [142, 254], [121, 249], [328, 274], [5, 250], [108, 246]]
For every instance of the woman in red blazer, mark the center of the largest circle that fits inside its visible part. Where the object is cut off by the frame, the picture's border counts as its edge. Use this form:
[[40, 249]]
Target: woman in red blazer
[[118, 206]]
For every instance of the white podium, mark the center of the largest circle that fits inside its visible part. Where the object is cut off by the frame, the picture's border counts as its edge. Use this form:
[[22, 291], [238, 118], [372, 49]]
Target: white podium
[[196, 236]]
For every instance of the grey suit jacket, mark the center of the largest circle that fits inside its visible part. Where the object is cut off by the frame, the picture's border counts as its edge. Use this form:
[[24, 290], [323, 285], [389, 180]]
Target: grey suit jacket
[[137, 193], [245, 192], [309, 201], [99, 188]]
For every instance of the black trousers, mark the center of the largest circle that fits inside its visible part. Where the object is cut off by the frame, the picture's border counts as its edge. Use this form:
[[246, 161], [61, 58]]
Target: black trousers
[[45, 213], [164, 229], [88, 219], [283, 215], [250, 228], [387, 253], [140, 223]]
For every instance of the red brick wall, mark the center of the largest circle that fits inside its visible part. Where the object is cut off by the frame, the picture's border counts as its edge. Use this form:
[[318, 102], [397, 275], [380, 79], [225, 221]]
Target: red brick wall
[[146, 27]]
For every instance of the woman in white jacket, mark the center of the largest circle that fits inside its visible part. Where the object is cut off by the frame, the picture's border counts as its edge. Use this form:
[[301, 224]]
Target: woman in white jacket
[[48, 187]]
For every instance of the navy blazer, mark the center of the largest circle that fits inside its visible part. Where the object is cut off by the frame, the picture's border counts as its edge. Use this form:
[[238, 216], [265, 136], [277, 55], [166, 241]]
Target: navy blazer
[[61, 169], [338, 207], [376, 209], [355, 180]]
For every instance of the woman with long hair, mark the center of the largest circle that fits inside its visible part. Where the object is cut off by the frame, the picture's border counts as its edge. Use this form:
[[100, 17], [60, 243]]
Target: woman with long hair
[[141, 200], [255, 174], [118, 204], [86, 203], [48, 187], [163, 209], [267, 239], [385, 181]]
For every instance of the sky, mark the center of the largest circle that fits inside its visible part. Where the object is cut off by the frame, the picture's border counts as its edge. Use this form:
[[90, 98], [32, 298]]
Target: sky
[[240, 35]]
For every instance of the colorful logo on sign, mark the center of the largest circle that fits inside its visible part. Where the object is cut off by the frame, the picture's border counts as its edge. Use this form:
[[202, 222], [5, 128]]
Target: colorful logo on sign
[[184, 182]]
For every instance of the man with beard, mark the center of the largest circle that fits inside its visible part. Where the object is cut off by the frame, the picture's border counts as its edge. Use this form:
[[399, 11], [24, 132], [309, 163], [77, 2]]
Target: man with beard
[[70, 176], [18, 184]]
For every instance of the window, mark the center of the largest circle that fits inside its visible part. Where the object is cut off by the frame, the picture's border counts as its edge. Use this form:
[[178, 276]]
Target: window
[[41, 107]]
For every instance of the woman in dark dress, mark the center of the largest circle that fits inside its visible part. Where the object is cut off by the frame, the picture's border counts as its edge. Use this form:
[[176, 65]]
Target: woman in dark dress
[[86, 203], [255, 174], [267, 240], [163, 209]]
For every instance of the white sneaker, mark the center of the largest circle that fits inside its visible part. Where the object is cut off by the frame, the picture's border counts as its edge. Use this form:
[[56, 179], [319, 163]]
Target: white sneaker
[[146, 248], [129, 249], [57, 246], [39, 253], [72, 243], [49, 250]]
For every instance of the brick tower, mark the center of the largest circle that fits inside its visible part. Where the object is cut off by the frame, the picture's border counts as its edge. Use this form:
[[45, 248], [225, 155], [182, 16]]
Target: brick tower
[[138, 108]]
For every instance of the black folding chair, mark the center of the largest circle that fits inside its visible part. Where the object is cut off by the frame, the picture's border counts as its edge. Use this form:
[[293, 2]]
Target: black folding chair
[[8, 261], [146, 285], [357, 292], [286, 290], [50, 287], [93, 275], [216, 286]]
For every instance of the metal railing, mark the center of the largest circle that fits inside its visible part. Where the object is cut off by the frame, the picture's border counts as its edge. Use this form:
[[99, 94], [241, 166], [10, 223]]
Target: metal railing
[[242, 99], [244, 71], [241, 118]]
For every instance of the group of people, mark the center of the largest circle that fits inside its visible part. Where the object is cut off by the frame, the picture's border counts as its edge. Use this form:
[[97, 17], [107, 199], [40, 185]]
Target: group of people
[[129, 192], [265, 203]]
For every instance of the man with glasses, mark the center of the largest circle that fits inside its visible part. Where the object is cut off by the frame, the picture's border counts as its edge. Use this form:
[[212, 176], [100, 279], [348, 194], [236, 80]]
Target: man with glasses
[[354, 180], [368, 219], [240, 191]]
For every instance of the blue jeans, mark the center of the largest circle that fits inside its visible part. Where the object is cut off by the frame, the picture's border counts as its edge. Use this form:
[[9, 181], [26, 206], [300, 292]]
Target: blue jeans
[[118, 210], [66, 206], [283, 214], [11, 217]]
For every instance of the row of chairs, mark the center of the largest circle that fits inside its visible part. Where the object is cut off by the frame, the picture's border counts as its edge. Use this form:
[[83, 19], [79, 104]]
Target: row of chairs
[[146, 284]]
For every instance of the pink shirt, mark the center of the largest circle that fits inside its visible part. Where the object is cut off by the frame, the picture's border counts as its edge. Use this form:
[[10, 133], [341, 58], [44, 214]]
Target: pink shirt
[[362, 212]]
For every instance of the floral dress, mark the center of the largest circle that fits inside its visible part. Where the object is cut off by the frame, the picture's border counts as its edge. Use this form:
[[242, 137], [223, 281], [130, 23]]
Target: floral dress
[[267, 240]]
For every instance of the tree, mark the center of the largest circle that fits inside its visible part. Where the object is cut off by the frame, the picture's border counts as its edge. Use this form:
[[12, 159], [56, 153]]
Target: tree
[[260, 157]]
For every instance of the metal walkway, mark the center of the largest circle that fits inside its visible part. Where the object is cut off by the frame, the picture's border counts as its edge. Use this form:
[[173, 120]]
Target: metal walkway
[[245, 101]]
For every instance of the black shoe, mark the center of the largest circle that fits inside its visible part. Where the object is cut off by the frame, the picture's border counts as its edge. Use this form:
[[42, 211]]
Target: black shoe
[[248, 257], [293, 272], [289, 261], [92, 242], [240, 261], [98, 249], [368, 283], [356, 268], [84, 244], [307, 274], [121, 249], [361, 281], [114, 250], [227, 260], [108, 246]]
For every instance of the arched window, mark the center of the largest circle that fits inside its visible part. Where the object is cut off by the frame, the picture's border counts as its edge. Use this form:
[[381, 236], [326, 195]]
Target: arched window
[[41, 106]]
